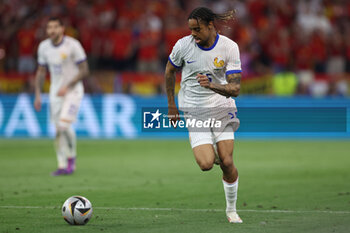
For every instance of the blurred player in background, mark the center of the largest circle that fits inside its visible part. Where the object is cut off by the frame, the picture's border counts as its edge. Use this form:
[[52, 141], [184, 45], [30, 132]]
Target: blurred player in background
[[65, 59], [211, 74]]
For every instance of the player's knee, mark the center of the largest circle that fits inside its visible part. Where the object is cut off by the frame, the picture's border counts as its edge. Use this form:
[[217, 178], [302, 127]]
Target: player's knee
[[62, 126], [206, 166], [227, 162], [60, 130]]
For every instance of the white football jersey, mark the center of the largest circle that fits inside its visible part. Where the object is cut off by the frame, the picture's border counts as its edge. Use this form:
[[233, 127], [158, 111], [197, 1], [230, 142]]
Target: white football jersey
[[221, 59], [62, 61]]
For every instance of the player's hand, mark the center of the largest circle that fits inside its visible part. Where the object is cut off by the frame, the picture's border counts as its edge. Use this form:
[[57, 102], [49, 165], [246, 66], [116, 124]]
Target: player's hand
[[173, 115], [203, 80], [62, 91], [37, 103]]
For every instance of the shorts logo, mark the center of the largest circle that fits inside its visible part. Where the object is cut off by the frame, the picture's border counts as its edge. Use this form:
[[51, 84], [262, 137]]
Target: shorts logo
[[72, 110], [232, 115], [218, 63]]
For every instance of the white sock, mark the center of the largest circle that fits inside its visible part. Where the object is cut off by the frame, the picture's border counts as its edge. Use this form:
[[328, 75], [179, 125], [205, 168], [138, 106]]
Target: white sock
[[65, 144], [230, 195], [61, 155], [71, 142]]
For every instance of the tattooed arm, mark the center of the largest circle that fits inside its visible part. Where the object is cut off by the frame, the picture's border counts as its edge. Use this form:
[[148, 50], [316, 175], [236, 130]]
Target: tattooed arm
[[232, 87], [170, 78]]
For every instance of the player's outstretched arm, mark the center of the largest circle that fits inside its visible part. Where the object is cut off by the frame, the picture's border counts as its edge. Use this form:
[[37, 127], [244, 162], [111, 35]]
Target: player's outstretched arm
[[170, 78], [231, 89], [39, 80]]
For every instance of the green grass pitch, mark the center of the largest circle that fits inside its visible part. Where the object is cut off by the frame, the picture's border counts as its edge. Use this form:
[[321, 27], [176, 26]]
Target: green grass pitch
[[155, 186]]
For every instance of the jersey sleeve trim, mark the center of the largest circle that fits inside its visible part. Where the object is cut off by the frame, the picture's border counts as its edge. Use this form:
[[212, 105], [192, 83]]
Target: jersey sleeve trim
[[80, 61], [173, 63], [233, 72]]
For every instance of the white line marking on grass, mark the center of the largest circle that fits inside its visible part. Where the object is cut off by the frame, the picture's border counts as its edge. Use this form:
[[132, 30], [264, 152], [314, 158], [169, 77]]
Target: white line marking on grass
[[189, 210]]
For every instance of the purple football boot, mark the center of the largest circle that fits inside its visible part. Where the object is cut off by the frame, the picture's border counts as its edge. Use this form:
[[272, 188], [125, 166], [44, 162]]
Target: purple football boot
[[59, 172], [71, 166]]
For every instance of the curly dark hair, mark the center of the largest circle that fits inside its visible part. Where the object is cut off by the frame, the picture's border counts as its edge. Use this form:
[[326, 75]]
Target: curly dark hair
[[206, 15]]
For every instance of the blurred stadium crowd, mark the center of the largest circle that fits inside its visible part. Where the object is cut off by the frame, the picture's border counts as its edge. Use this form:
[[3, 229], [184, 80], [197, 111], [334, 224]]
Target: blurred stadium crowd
[[304, 45]]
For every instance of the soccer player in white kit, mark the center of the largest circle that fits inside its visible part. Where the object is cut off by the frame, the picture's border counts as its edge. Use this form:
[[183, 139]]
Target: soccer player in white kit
[[65, 59], [211, 75]]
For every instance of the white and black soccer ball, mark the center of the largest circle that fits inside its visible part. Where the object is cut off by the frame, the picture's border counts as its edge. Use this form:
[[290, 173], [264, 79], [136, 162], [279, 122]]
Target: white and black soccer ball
[[77, 210]]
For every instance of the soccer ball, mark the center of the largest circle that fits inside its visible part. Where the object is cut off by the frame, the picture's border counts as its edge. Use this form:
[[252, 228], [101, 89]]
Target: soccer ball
[[77, 210]]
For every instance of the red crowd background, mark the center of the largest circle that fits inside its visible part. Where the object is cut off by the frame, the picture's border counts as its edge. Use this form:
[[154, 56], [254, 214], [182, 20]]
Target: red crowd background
[[310, 38]]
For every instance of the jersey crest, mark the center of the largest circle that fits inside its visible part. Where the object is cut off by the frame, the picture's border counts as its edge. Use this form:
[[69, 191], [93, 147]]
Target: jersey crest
[[218, 63], [63, 56]]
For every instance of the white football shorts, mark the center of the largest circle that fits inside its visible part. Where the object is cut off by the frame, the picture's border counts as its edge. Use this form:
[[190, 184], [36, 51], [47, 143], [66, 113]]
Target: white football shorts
[[201, 138], [66, 108]]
